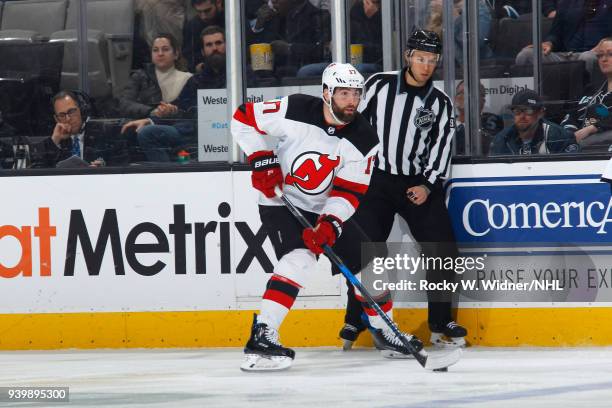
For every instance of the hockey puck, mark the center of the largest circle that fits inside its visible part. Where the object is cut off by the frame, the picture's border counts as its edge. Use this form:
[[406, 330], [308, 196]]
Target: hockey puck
[[441, 370]]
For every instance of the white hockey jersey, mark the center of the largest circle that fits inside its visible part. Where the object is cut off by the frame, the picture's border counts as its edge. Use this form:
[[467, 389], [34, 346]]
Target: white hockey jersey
[[326, 169]]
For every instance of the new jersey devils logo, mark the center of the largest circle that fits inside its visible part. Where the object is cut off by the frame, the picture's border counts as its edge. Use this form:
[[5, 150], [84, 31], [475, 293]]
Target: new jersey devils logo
[[312, 172]]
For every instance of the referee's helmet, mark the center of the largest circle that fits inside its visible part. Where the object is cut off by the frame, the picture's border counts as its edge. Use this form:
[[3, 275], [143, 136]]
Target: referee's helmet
[[424, 40]]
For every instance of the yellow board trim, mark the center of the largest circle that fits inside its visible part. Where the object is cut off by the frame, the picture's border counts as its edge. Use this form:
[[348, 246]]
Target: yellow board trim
[[302, 328]]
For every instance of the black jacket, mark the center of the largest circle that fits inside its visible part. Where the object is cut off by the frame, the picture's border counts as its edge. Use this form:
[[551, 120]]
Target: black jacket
[[46, 154], [192, 44], [367, 31], [587, 111], [141, 94], [573, 29], [187, 101], [306, 28], [549, 138]]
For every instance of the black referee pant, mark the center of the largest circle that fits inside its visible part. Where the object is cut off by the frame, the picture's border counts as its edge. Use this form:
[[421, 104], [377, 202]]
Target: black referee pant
[[429, 224]]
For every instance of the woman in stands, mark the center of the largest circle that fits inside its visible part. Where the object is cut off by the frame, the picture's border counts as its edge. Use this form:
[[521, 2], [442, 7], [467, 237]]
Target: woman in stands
[[152, 90], [592, 121]]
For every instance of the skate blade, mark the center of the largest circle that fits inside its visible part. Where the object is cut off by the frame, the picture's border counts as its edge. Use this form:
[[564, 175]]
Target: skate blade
[[442, 342], [256, 362], [441, 360], [347, 344], [395, 355]]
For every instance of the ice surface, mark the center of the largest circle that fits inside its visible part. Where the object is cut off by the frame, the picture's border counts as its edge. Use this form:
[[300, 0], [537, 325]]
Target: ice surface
[[319, 378]]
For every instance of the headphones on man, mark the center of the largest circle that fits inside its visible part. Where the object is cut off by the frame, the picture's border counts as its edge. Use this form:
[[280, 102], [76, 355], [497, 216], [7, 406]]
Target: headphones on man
[[81, 98]]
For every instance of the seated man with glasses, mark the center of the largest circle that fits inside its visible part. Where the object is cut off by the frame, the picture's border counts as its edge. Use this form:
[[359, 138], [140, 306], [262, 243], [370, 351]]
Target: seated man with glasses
[[592, 120], [68, 136], [531, 133]]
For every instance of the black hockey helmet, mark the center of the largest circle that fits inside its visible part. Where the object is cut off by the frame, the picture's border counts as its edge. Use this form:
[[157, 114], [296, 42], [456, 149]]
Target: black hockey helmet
[[425, 40]]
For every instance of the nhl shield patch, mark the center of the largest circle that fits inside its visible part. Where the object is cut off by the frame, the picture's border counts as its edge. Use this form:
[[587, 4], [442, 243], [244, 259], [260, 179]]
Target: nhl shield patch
[[423, 119]]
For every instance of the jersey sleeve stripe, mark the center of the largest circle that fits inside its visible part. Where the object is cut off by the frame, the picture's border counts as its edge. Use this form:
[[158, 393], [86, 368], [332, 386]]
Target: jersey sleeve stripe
[[246, 115], [351, 198], [350, 185]]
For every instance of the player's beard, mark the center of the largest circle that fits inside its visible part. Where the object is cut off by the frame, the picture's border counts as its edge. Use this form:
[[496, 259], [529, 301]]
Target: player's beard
[[340, 114]]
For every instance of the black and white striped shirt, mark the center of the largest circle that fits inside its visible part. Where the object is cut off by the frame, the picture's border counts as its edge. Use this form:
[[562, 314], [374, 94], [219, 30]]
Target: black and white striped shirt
[[415, 126]]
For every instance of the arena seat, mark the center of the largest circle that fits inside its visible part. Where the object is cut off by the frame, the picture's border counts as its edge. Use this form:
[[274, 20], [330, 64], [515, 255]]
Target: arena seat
[[114, 18], [110, 36], [98, 70], [511, 35], [32, 20]]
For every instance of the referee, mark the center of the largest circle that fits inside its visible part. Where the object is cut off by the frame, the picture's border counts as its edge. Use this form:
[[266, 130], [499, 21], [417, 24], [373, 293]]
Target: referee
[[415, 124]]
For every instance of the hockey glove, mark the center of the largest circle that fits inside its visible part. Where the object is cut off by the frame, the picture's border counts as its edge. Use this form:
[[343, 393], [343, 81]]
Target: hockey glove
[[327, 230], [267, 173]]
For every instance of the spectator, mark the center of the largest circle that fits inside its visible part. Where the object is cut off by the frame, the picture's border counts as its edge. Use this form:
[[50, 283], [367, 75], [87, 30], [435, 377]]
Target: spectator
[[68, 138], [484, 22], [576, 29], [151, 18], [490, 123], [366, 29], [158, 139], [213, 47], [531, 133], [515, 8], [151, 91], [592, 121], [209, 12], [212, 74], [298, 32]]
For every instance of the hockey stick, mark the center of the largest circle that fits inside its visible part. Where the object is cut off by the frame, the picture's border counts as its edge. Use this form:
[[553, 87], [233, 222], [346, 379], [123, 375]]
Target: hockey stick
[[427, 361]]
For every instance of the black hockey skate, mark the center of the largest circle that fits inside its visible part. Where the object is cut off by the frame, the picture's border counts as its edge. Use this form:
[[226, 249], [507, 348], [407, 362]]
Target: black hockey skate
[[263, 351], [450, 335], [391, 346]]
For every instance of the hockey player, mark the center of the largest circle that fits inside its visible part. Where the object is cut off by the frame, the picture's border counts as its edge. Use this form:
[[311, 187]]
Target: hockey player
[[323, 161], [415, 125]]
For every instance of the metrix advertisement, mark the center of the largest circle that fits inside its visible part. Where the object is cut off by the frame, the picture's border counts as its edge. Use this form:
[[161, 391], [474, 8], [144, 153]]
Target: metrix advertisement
[[156, 242]]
